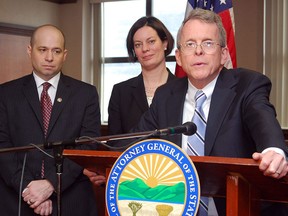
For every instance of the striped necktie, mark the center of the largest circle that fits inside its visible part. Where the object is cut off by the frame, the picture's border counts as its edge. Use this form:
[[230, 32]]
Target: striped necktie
[[196, 143], [46, 106]]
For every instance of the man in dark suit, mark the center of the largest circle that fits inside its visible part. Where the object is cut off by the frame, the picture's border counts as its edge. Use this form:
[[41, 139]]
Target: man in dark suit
[[240, 119], [75, 113]]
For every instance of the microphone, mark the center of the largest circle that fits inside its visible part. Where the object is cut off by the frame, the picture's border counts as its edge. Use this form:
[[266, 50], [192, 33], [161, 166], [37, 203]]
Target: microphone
[[188, 129]]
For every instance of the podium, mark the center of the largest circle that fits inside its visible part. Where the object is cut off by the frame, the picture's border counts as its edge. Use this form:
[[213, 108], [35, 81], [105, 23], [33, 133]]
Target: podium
[[238, 180]]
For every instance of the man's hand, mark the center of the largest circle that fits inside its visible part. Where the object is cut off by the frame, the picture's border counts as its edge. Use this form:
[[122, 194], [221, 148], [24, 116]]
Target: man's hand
[[272, 164], [37, 192], [94, 177], [45, 208]]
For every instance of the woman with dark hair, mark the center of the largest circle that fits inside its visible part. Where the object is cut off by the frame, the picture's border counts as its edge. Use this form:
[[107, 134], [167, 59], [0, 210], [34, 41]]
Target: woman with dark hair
[[148, 42]]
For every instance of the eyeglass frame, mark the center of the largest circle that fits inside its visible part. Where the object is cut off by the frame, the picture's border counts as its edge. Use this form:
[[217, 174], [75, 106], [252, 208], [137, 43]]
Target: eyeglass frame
[[201, 45]]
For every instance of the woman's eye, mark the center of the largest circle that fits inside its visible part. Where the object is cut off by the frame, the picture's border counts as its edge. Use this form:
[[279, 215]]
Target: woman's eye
[[137, 45], [151, 41]]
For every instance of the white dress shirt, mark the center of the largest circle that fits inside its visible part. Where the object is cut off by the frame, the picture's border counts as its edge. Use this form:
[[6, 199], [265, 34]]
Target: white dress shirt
[[53, 88]]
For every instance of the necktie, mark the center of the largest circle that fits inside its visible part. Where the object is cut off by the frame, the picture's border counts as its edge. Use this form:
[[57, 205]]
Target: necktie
[[46, 106], [196, 143]]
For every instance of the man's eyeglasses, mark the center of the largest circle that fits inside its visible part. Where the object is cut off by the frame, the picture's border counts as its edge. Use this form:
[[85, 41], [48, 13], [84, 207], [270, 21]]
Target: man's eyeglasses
[[189, 47]]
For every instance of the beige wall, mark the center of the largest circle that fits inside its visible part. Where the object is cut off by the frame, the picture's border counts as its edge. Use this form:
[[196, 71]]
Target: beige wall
[[29, 12], [249, 33], [37, 12], [71, 24]]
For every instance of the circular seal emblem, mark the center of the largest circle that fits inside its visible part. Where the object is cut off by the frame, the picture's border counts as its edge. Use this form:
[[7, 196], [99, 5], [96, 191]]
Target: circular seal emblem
[[153, 177]]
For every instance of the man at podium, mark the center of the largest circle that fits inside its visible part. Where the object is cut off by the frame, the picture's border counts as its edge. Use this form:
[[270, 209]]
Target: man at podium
[[236, 118]]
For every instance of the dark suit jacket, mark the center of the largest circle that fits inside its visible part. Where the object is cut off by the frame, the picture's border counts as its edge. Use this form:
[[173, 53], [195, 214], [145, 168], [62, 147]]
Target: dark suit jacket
[[241, 120], [75, 113], [127, 104]]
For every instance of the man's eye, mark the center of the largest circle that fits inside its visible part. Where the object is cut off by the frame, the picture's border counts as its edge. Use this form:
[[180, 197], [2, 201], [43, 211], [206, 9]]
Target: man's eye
[[190, 44], [208, 43], [57, 51], [42, 50]]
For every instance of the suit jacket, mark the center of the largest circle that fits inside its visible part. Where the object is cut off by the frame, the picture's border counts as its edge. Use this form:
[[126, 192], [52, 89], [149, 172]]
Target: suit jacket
[[241, 120], [75, 113], [127, 104]]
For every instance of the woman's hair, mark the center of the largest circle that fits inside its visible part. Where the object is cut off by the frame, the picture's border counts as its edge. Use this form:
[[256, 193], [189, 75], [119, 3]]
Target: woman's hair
[[206, 16], [158, 26]]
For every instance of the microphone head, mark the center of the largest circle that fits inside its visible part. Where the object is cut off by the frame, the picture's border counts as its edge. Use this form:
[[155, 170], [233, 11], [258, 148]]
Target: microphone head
[[191, 128]]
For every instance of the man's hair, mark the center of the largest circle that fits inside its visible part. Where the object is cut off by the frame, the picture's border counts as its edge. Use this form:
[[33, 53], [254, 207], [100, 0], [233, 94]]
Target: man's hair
[[206, 16], [158, 26], [32, 39]]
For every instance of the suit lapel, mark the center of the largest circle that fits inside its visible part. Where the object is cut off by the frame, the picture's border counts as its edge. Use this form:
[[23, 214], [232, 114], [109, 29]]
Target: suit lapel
[[30, 92], [63, 92], [222, 98], [175, 105], [139, 93]]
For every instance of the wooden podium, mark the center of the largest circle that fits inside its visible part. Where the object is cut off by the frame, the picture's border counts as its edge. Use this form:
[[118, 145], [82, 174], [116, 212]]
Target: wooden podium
[[239, 180]]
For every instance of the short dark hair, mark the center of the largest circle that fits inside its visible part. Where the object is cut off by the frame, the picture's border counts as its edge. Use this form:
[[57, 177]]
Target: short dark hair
[[158, 26]]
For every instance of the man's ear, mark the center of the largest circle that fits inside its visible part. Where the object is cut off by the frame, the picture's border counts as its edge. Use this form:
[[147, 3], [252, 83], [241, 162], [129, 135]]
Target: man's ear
[[177, 56], [29, 50], [224, 55], [65, 54]]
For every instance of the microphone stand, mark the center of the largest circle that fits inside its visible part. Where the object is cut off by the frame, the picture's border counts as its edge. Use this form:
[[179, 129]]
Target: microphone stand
[[58, 157], [187, 128], [85, 140], [58, 148], [58, 154]]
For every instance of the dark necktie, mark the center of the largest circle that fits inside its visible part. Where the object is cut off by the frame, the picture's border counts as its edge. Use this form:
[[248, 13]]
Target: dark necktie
[[196, 142], [46, 106]]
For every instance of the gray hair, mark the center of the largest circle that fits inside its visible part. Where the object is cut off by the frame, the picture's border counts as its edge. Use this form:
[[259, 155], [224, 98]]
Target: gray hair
[[206, 16]]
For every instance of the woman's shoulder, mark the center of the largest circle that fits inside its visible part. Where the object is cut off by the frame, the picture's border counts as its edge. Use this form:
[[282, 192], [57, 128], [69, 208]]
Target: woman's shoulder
[[130, 83]]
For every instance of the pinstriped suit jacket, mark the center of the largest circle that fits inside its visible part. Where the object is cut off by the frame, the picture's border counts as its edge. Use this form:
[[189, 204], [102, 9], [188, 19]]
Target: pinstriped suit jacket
[[75, 113]]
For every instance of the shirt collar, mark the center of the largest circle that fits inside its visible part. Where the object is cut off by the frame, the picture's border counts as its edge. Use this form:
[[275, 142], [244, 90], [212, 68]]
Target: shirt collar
[[53, 81], [208, 89]]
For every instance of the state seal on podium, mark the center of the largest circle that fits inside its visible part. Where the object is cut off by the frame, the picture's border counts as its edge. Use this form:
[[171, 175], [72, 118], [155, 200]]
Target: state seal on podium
[[153, 177]]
